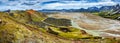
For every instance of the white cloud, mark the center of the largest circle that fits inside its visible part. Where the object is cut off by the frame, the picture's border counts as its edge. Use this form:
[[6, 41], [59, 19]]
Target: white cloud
[[17, 5], [76, 5]]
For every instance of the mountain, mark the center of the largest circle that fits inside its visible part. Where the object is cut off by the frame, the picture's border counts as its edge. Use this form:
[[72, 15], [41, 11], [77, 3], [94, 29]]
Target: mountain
[[36, 27], [106, 8], [29, 26], [93, 9], [90, 9], [116, 9], [111, 12]]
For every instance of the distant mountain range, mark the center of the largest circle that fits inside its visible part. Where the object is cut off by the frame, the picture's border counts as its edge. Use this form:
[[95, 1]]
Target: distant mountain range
[[115, 9], [90, 9]]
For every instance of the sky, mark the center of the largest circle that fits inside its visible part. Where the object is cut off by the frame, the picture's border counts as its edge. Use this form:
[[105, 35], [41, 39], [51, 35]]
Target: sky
[[54, 4]]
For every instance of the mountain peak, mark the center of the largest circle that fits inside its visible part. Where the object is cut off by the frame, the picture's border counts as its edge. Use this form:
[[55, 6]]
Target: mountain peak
[[31, 11]]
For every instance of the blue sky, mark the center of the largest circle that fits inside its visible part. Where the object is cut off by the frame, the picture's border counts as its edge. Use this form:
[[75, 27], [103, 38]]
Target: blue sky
[[53, 4]]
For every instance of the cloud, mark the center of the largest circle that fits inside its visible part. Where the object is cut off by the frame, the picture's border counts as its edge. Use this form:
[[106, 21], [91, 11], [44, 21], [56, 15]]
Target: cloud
[[52, 4], [76, 4]]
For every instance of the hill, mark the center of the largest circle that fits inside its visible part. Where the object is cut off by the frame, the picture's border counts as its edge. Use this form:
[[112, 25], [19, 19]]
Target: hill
[[34, 27]]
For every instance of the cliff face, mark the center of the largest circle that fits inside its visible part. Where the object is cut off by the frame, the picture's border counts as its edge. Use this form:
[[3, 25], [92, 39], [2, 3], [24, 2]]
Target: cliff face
[[30, 27]]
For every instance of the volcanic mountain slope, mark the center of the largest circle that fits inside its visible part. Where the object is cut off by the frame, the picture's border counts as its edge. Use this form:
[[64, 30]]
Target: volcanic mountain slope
[[33, 27], [12, 31], [113, 13]]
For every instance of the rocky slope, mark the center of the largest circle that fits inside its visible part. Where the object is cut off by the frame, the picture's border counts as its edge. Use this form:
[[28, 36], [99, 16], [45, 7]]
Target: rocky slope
[[12, 31], [113, 13]]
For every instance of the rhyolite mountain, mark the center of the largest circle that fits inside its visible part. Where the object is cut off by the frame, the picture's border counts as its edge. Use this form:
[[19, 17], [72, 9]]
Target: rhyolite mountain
[[31, 26]]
